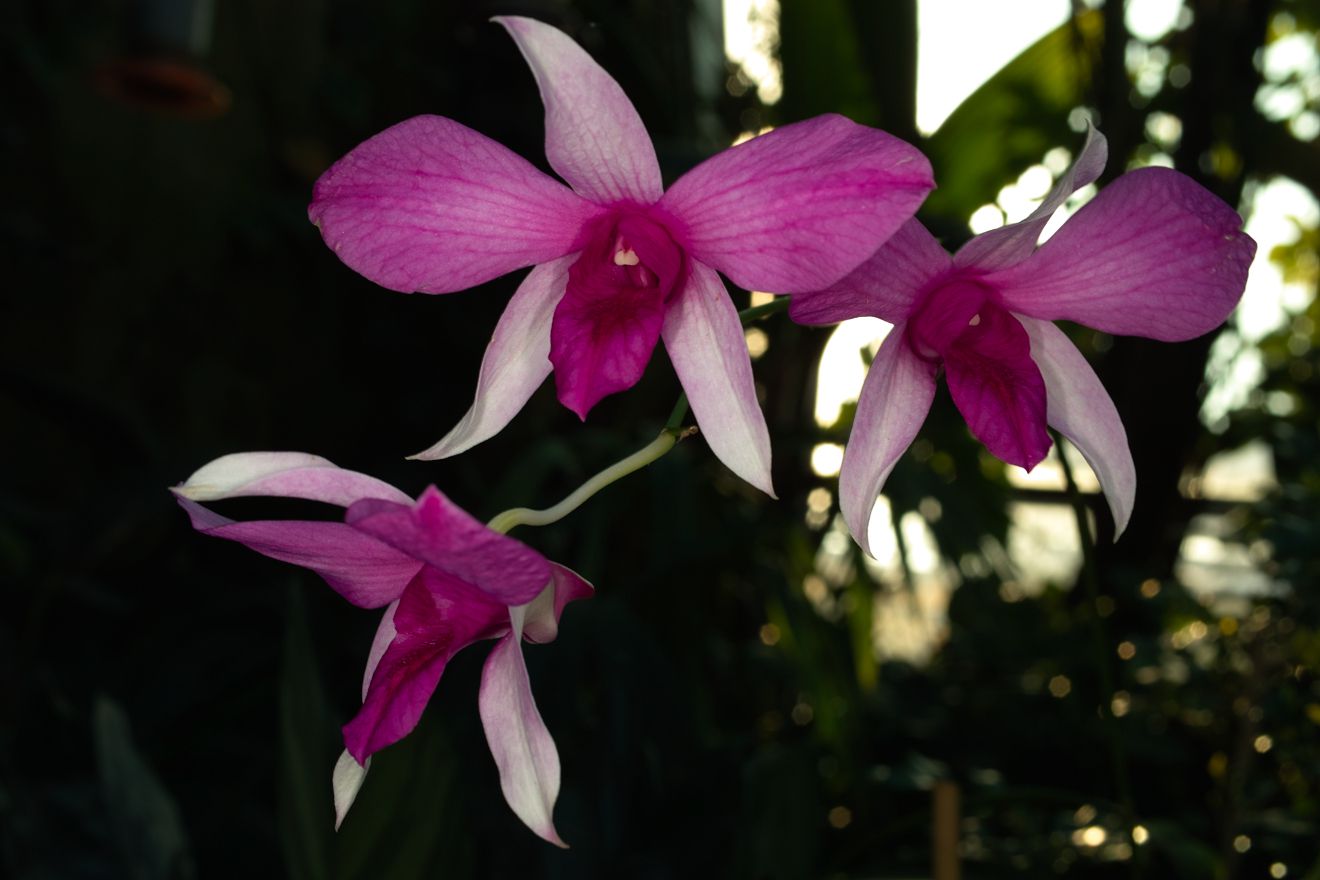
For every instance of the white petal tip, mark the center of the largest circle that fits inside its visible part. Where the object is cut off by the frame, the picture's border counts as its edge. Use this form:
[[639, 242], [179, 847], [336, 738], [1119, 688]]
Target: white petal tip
[[347, 781]]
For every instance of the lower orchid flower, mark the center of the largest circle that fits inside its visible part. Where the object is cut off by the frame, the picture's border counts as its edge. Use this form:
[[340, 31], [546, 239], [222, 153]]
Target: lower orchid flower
[[445, 580], [1154, 255]]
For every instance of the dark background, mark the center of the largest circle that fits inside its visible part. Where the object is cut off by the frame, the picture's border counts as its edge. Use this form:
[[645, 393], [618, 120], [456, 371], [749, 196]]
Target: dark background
[[169, 705]]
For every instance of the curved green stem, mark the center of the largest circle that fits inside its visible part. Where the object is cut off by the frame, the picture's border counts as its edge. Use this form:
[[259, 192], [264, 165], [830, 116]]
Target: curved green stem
[[756, 313], [522, 516]]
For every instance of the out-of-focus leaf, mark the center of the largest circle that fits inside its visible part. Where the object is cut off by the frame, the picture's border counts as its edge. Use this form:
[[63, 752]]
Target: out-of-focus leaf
[[1011, 121], [147, 828], [306, 809]]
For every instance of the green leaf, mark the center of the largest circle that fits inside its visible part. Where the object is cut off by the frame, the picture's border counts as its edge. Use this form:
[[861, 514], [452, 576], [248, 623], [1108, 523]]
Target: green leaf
[[147, 828], [1011, 121], [305, 808]]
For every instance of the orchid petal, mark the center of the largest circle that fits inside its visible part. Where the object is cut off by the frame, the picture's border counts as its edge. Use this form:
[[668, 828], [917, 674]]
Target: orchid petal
[[604, 329], [522, 747], [1078, 406], [1155, 254], [998, 388], [543, 612], [516, 361], [283, 475], [800, 207], [430, 205], [443, 535], [1011, 244], [594, 138], [361, 569], [893, 404], [705, 341], [437, 616], [346, 781], [886, 286]]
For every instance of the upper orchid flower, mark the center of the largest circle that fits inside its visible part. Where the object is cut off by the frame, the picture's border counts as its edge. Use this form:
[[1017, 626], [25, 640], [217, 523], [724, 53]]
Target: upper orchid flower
[[432, 206], [445, 581], [1153, 255]]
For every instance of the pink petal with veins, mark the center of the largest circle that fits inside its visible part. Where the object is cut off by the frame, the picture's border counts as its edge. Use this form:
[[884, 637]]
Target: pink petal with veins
[[594, 138], [1155, 254], [800, 207], [430, 205], [445, 537], [886, 286]]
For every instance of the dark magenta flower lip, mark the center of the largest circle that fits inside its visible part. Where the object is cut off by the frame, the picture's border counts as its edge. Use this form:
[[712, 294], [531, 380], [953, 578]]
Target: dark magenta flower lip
[[1154, 254], [445, 581], [432, 206]]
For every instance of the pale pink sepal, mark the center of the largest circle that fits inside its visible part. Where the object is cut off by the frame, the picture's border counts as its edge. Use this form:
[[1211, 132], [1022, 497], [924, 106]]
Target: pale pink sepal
[[594, 138], [886, 286], [800, 207], [1078, 406], [516, 362], [522, 747], [430, 205], [1013, 243], [361, 569], [346, 781], [447, 538], [705, 341], [283, 475], [1155, 254], [890, 411]]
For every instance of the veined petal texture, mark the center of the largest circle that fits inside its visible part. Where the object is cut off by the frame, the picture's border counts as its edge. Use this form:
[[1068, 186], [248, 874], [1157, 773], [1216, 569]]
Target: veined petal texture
[[594, 138], [445, 537], [886, 286], [430, 205], [798, 208], [1155, 254]]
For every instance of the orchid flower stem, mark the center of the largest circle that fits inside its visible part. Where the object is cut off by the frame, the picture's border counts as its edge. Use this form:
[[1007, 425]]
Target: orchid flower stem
[[1099, 642], [756, 313], [522, 516]]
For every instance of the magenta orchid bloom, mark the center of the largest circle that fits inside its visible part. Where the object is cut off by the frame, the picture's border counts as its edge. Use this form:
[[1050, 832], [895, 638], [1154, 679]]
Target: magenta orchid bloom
[[445, 581], [432, 206], [1153, 255]]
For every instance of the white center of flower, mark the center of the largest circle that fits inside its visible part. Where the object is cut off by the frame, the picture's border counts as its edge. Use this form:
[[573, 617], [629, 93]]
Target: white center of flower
[[976, 319], [626, 257]]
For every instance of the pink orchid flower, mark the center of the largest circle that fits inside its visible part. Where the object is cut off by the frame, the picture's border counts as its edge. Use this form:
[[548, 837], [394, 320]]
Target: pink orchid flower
[[1153, 255], [445, 581], [432, 206]]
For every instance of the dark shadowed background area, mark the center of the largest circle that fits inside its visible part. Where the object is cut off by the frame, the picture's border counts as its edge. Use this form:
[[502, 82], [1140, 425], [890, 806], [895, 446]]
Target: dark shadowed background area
[[744, 697]]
